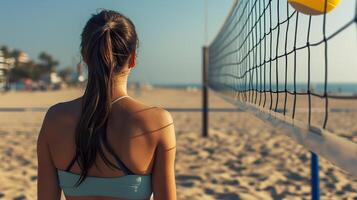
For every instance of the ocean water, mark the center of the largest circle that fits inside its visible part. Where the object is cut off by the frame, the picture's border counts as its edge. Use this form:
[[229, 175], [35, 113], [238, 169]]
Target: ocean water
[[342, 88], [350, 88], [336, 88], [180, 86]]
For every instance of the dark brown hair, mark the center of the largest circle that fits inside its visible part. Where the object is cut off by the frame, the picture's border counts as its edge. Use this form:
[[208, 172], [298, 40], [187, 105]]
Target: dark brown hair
[[108, 39]]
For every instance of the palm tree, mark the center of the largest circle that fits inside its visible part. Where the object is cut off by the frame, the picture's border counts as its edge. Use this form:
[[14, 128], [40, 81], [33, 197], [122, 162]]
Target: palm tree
[[6, 52], [16, 55], [48, 64]]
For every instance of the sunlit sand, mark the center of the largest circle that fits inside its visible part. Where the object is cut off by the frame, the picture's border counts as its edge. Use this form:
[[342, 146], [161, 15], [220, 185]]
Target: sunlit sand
[[243, 157]]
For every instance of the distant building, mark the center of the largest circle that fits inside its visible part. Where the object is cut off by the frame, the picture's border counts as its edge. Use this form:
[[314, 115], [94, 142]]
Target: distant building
[[5, 65], [22, 58], [2, 71], [2, 60]]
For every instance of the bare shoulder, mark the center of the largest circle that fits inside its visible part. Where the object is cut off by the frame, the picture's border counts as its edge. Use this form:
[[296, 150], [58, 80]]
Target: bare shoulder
[[150, 119], [163, 116], [64, 111], [153, 114], [59, 116], [166, 137]]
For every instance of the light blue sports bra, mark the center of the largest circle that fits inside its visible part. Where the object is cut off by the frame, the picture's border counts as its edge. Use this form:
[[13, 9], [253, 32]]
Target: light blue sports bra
[[128, 186]]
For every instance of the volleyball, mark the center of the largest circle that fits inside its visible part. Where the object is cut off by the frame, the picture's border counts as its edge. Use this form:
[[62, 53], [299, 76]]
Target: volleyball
[[313, 7]]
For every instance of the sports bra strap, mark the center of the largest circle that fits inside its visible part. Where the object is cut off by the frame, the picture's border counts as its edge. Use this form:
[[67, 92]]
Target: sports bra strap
[[71, 163], [119, 98], [122, 166], [119, 161]]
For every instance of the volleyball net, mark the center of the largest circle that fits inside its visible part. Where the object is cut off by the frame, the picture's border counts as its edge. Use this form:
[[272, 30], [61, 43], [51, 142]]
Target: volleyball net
[[277, 63]]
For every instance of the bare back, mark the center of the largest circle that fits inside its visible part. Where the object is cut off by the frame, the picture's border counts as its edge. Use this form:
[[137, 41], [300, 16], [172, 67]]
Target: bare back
[[141, 136]]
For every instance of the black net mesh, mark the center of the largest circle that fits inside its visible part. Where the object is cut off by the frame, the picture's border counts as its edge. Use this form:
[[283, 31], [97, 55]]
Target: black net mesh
[[266, 52]]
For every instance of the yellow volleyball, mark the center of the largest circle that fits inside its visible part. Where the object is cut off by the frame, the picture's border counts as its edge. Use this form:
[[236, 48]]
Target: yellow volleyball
[[313, 7]]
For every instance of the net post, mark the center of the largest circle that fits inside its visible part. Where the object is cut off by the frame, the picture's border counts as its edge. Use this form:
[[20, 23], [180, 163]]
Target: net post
[[315, 182], [205, 91]]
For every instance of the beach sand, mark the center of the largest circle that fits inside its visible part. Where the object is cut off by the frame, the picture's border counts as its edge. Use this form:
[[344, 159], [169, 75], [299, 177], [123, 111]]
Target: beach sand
[[243, 157]]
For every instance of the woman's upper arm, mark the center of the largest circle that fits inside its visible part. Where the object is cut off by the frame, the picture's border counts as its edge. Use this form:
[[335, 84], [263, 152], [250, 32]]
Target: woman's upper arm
[[164, 184], [47, 183]]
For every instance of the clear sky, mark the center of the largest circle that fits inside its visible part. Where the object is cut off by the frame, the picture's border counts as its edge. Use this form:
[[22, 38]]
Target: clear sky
[[171, 35], [171, 32]]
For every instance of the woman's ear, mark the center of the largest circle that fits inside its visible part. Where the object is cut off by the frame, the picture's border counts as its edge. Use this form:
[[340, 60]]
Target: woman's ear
[[132, 60]]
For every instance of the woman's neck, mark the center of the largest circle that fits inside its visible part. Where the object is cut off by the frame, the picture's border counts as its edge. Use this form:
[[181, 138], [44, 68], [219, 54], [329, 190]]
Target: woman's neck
[[120, 84]]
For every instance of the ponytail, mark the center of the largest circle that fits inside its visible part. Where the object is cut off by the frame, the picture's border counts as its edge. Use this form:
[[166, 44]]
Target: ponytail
[[105, 41]]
